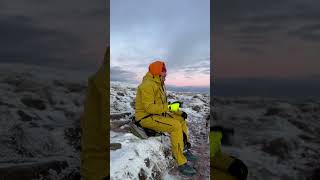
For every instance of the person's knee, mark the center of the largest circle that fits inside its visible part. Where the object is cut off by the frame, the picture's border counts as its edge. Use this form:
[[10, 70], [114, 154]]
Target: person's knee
[[183, 124], [238, 169], [180, 119], [176, 126], [177, 117]]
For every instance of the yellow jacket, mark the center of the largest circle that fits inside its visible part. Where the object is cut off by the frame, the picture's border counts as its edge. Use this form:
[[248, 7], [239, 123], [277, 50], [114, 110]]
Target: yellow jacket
[[151, 97], [95, 125]]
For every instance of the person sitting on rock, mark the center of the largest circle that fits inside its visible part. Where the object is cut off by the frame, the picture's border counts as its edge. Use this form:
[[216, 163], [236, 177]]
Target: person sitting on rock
[[154, 112]]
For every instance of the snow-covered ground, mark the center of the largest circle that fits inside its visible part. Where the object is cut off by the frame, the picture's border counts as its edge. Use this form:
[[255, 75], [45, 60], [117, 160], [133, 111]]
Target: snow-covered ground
[[40, 111], [277, 139], [151, 158]]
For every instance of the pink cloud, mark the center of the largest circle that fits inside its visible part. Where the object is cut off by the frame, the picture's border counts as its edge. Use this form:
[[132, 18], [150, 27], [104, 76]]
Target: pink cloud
[[179, 79], [195, 80]]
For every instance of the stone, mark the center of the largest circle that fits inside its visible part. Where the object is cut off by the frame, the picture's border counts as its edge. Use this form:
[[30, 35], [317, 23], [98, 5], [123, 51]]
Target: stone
[[196, 108], [31, 170], [33, 103], [147, 162], [120, 94], [142, 175], [277, 147], [73, 137], [115, 146], [24, 116]]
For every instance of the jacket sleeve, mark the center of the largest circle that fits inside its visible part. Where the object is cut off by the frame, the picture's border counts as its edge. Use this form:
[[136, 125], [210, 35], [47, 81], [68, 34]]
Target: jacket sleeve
[[215, 143], [179, 113], [149, 101], [218, 159]]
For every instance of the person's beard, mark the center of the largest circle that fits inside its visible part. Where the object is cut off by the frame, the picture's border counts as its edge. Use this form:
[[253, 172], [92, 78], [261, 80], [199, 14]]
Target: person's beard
[[163, 79]]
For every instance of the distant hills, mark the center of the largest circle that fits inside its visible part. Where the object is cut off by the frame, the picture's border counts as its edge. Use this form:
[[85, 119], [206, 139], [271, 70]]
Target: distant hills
[[302, 88]]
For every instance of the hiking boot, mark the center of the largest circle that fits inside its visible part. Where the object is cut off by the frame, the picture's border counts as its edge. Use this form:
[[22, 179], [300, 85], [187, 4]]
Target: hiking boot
[[190, 156], [187, 170]]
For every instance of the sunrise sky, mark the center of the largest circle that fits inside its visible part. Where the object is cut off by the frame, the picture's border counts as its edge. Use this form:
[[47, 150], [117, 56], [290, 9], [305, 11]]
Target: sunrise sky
[[176, 31], [268, 48]]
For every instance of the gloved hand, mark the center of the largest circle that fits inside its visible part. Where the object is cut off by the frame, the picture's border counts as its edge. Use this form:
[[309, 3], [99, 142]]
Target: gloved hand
[[184, 115], [175, 106]]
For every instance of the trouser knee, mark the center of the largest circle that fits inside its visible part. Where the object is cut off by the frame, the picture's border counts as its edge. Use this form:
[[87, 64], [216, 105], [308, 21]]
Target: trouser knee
[[238, 169], [176, 126]]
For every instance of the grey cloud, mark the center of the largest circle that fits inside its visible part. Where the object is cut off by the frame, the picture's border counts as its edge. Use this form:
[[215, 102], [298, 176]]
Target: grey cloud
[[25, 42], [199, 63], [254, 34], [181, 28], [270, 18], [206, 71], [234, 11], [307, 33], [188, 76], [256, 41], [183, 48], [202, 67], [191, 70], [259, 28], [118, 74], [252, 26], [251, 50], [72, 34], [129, 14]]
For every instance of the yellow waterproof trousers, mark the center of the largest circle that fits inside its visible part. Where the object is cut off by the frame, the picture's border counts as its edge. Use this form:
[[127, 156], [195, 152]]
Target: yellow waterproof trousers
[[182, 122], [217, 174], [219, 165], [175, 126]]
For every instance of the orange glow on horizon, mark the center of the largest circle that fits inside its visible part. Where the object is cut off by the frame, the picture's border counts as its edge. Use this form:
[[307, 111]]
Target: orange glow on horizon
[[179, 79]]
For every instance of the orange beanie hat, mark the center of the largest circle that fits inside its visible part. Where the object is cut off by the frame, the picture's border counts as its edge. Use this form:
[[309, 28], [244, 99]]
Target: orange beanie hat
[[157, 67]]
